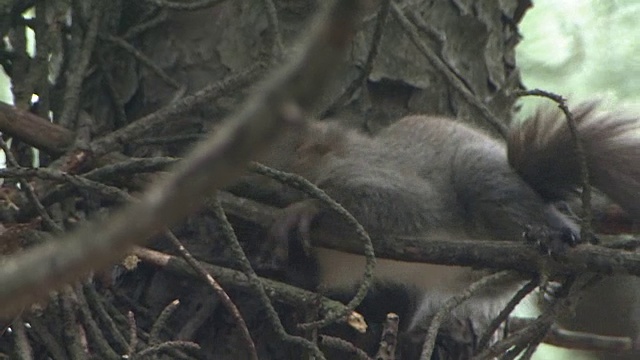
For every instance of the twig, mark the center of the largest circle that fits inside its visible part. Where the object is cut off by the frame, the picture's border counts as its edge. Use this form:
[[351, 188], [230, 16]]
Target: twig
[[443, 69], [22, 345], [73, 340], [154, 334], [504, 313], [585, 224], [538, 328], [540, 325], [257, 286], [131, 166], [75, 180], [28, 189], [94, 333], [452, 303], [300, 183], [389, 338], [34, 130], [222, 295], [76, 76], [133, 334], [95, 302], [54, 348]]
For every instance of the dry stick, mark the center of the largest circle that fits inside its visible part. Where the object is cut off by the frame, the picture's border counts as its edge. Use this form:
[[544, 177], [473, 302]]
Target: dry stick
[[304, 185], [453, 80], [22, 345], [389, 338], [222, 295], [452, 303], [133, 334], [93, 332], [193, 5], [132, 166], [96, 305], [34, 130], [154, 334], [504, 313], [256, 284], [541, 324], [75, 78], [73, 340], [28, 189], [585, 224], [158, 325], [523, 337], [531, 350], [54, 348], [108, 191]]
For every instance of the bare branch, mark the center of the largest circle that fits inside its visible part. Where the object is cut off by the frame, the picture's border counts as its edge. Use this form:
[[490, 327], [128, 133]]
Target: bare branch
[[219, 291], [34, 130]]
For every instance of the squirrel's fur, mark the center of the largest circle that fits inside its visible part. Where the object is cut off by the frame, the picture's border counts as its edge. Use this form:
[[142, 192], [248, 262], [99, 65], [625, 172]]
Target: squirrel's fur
[[432, 176]]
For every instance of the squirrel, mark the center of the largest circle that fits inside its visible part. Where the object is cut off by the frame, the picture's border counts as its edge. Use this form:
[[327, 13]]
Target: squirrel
[[434, 176]]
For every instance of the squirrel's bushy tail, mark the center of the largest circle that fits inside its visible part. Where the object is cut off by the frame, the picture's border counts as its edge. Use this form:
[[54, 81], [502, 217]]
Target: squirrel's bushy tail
[[542, 151]]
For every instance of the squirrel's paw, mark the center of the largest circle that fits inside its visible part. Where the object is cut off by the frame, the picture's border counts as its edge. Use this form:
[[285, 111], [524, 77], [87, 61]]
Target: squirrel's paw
[[552, 242], [291, 227]]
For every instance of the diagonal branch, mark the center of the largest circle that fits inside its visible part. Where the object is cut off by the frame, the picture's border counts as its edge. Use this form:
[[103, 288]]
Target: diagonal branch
[[34, 130]]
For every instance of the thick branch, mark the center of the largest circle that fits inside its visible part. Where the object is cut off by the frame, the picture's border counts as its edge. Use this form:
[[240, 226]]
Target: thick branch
[[503, 255], [34, 130]]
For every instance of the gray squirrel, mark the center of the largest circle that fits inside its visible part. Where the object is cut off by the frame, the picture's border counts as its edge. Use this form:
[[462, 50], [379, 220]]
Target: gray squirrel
[[433, 176]]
